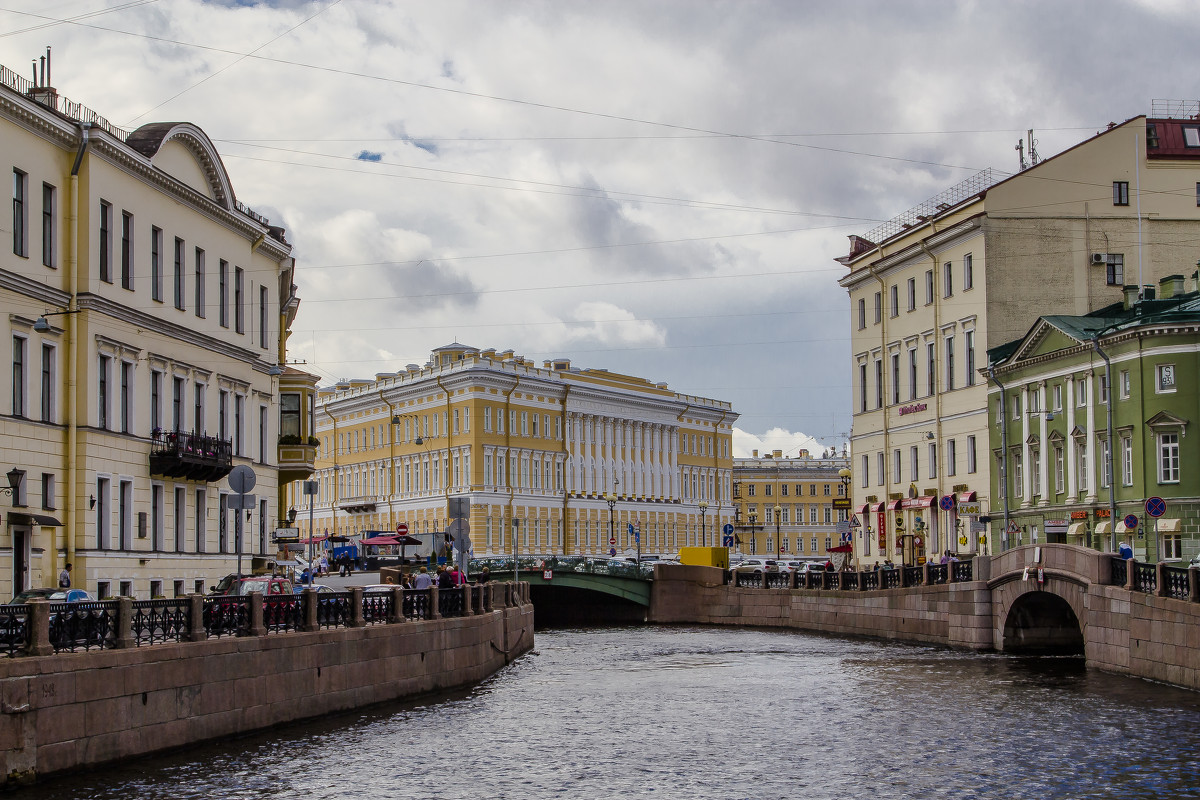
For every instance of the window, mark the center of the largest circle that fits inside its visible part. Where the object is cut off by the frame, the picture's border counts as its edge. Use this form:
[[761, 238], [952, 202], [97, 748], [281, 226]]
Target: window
[[223, 294], [156, 517], [1191, 136], [1103, 388], [126, 250], [1165, 378], [1035, 472], [930, 369], [156, 400], [18, 376], [948, 279], [126, 410], [1125, 385], [1120, 193], [125, 514], [1168, 458], [1198, 194], [949, 363], [20, 181], [862, 387], [928, 287], [968, 272], [1018, 475], [289, 414], [1035, 400], [198, 425], [156, 270], [178, 273], [912, 373], [262, 317], [951, 468], [177, 421], [1058, 469], [1127, 460], [878, 307], [1016, 406], [49, 226], [105, 254], [179, 519], [239, 321], [1081, 392], [200, 283], [102, 515], [914, 464], [1105, 464], [1058, 397], [47, 383], [862, 303], [933, 461], [879, 383], [1083, 467], [1115, 269], [896, 473], [894, 297], [881, 473], [970, 347], [102, 392], [895, 378], [239, 404], [971, 454], [912, 294], [1172, 545]]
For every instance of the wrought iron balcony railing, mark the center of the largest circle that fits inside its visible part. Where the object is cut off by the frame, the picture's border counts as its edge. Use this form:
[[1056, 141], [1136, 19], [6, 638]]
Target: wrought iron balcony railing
[[175, 454]]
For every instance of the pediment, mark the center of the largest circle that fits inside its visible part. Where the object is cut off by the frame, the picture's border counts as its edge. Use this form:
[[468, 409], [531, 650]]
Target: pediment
[[1165, 419], [183, 151]]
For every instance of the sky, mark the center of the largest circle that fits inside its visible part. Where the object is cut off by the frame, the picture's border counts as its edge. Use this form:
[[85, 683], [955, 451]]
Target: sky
[[654, 187]]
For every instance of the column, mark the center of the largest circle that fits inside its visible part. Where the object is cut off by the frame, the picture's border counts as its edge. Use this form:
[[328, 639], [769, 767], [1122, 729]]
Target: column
[[1090, 443], [1044, 449], [1026, 494], [1070, 457]]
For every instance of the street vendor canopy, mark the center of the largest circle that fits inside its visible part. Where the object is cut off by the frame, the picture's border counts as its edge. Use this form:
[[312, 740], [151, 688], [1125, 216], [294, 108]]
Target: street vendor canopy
[[381, 540]]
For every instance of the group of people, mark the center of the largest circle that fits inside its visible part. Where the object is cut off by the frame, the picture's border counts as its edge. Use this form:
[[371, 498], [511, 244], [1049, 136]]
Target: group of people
[[446, 577]]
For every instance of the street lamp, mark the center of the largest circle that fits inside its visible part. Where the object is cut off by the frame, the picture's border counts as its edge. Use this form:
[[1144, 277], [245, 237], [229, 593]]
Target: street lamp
[[14, 483], [778, 541], [703, 532], [611, 499]]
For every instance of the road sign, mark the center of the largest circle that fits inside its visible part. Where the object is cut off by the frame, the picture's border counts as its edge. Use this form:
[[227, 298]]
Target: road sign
[[637, 537], [841, 502], [946, 503], [843, 528], [630, 527], [727, 541], [854, 523], [460, 531], [460, 507], [239, 502], [612, 551], [1156, 506], [613, 541], [241, 479], [1131, 521], [728, 529], [402, 528]]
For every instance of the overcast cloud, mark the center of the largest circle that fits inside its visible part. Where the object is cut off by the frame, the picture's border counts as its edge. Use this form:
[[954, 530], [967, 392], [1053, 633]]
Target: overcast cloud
[[656, 188]]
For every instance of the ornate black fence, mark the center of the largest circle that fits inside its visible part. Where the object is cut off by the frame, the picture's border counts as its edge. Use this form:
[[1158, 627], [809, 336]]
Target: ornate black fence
[[14, 629], [283, 613], [417, 604], [1145, 578], [1175, 582], [333, 609], [378, 606], [226, 616], [158, 621], [1119, 573], [82, 626]]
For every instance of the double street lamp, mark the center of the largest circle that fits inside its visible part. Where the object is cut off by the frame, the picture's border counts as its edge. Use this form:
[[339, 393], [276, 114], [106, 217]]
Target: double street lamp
[[611, 499], [778, 540], [703, 532]]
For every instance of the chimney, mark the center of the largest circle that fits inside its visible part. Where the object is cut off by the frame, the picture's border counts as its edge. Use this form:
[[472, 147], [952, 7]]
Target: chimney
[[754, 454], [1131, 296], [42, 92], [777, 454], [1170, 286]]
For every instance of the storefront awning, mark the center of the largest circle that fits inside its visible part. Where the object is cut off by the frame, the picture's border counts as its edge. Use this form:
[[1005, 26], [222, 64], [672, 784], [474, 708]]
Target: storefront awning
[[863, 509], [924, 501], [967, 497], [1077, 529], [878, 509], [1169, 525], [1104, 527], [894, 505], [15, 518]]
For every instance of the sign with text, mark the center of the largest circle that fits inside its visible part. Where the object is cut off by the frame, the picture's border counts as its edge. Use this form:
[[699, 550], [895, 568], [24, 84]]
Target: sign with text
[[968, 509]]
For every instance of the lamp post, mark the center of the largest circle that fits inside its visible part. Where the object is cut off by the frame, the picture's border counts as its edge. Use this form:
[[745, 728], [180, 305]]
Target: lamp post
[[844, 476], [516, 523], [778, 540], [611, 499], [14, 483], [703, 531], [310, 489]]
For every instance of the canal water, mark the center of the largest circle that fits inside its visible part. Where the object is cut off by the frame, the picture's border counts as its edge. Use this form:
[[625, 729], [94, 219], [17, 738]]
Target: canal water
[[715, 713]]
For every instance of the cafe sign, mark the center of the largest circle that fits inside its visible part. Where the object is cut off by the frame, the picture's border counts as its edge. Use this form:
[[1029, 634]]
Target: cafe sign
[[968, 509]]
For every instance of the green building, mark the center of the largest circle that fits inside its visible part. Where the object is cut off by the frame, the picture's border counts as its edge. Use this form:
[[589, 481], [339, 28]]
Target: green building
[[1058, 396]]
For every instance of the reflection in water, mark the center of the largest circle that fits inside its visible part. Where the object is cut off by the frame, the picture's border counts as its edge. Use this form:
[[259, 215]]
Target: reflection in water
[[714, 713]]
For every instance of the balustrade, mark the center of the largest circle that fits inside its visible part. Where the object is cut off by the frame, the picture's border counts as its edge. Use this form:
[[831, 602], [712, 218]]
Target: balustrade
[[158, 621]]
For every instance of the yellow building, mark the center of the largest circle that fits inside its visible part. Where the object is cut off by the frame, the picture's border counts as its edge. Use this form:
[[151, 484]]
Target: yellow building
[[789, 507], [933, 289], [145, 314], [547, 447]]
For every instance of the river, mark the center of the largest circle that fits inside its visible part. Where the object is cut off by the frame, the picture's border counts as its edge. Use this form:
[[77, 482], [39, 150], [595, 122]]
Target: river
[[714, 713]]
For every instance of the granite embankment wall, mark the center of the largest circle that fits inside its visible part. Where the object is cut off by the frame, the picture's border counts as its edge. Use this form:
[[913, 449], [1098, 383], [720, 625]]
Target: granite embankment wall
[[1125, 629], [72, 710]]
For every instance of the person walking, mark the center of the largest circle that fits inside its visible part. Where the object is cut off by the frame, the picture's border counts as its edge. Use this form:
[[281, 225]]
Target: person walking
[[64, 577]]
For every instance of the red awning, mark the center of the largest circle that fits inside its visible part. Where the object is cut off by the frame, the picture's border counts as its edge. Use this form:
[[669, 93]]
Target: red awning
[[314, 540], [863, 509], [894, 505], [966, 497], [878, 508], [841, 548], [381, 540], [924, 501]]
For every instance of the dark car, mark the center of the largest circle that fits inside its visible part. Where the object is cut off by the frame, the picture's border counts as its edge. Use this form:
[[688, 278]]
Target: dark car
[[53, 596]]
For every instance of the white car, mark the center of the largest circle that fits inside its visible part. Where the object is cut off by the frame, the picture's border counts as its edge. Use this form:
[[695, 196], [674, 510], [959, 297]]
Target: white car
[[757, 566]]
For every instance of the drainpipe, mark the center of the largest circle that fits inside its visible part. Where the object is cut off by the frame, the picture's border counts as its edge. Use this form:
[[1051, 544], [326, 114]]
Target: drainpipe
[[566, 456], [937, 396], [392, 459], [446, 464], [883, 317], [717, 467], [72, 345], [686, 407], [512, 514], [1112, 472], [336, 493], [1003, 455]]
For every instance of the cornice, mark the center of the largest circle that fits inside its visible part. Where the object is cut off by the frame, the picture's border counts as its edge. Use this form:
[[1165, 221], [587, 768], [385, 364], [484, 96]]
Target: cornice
[[23, 285]]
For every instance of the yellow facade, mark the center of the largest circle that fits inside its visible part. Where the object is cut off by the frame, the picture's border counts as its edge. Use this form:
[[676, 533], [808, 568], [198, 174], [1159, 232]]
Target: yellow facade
[[788, 507], [144, 315], [544, 446], [933, 289]]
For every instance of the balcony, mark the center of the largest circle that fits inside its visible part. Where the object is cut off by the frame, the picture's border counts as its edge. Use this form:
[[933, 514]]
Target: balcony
[[297, 458], [175, 454]]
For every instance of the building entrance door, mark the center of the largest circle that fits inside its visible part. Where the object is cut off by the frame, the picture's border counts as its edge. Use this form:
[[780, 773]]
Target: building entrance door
[[20, 577]]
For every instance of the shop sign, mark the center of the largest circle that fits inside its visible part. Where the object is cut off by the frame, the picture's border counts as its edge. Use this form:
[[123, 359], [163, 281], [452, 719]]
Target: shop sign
[[1079, 515], [914, 408], [968, 509], [1103, 513]]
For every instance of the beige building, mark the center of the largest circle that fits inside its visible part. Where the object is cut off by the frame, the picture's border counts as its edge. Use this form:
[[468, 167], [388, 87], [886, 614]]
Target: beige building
[[565, 457], [933, 289], [789, 507], [143, 310]]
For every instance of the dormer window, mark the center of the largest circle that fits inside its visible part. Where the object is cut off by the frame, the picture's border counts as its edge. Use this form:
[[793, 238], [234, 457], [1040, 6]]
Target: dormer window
[[1191, 136]]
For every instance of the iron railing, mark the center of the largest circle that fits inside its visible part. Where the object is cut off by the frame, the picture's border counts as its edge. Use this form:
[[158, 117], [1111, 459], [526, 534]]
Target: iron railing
[[282, 613], [417, 604], [1119, 574], [912, 576], [939, 574], [76, 626], [226, 616], [1145, 578], [333, 609], [157, 621], [378, 606], [962, 571], [1175, 580], [14, 629]]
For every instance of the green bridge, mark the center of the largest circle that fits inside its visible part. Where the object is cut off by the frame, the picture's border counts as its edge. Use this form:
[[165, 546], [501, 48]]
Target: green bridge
[[619, 579]]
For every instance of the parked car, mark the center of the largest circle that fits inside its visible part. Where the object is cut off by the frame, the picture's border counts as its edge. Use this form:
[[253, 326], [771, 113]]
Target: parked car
[[757, 566], [812, 566], [53, 596], [320, 587]]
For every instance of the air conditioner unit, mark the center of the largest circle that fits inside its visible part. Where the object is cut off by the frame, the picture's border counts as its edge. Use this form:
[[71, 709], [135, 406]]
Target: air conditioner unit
[[1099, 258]]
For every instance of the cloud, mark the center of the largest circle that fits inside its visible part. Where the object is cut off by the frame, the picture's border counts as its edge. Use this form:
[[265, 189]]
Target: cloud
[[367, 155], [790, 444]]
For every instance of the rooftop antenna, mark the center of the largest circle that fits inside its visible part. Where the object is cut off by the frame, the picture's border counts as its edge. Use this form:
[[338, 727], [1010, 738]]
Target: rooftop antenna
[[1033, 153], [1020, 148]]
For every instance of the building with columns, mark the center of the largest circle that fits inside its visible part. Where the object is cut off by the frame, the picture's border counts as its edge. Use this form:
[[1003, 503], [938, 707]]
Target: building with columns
[[937, 287], [541, 450]]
